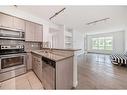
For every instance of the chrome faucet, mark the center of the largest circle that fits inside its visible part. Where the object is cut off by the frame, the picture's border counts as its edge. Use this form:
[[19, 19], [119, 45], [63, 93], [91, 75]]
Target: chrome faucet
[[47, 45]]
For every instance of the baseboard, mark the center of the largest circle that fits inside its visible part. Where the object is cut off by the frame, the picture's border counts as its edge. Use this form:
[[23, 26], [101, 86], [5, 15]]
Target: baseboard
[[75, 84], [99, 53]]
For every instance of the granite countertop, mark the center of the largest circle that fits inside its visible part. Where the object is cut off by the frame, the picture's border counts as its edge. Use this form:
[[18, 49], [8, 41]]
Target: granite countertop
[[51, 55], [65, 49]]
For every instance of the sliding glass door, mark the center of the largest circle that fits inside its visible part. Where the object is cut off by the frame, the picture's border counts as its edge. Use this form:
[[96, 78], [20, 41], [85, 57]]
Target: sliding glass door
[[102, 43]]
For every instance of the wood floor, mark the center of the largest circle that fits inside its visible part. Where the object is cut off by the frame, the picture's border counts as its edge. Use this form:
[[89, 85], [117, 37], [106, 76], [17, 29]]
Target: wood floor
[[95, 71]]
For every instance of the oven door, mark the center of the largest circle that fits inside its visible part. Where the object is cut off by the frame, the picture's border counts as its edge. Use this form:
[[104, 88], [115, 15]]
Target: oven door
[[12, 61]]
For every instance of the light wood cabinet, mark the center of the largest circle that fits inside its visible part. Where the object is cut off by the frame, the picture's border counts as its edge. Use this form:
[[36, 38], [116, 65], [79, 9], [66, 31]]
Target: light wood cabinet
[[53, 74], [6, 21], [37, 65], [64, 74], [11, 22], [29, 61], [38, 33], [33, 32], [30, 29], [19, 24]]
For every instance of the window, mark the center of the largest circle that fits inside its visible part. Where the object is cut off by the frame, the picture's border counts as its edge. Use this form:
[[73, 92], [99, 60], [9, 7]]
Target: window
[[102, 43]]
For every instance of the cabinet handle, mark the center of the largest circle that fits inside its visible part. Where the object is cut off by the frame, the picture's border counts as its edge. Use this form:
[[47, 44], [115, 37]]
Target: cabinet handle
[[38, 61]]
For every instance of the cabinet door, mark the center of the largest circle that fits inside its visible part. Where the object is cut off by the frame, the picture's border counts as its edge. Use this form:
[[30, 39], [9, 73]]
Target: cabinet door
[[29, 61], [30, 29], [6, 21], [19, 24], [34, 63], [39, 68], [38, 33], [1, 17]]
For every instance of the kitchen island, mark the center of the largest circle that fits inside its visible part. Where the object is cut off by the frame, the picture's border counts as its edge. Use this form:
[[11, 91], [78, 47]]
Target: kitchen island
[[58, 55], [54, 70], [70, 51]]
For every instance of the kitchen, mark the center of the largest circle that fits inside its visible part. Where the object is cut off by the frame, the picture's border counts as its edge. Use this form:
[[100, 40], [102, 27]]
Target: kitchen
[[25, 46], [59, 47]]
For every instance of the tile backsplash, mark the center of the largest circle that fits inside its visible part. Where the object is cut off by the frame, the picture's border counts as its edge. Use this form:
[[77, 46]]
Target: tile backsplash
[[32, 46], [28, 45]]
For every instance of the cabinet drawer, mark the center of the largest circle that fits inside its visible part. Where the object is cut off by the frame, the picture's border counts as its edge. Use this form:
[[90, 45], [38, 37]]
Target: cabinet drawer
[[37, 66]]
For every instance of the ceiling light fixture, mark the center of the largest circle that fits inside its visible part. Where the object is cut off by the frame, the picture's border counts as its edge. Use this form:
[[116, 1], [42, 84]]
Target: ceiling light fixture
[[57, 13], [96, 21]]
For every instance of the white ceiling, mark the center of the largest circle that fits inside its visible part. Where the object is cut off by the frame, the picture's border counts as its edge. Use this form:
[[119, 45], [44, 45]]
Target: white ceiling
[[77, 16]]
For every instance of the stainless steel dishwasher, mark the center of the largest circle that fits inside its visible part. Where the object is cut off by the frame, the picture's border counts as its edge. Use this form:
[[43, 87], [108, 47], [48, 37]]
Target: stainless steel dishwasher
[[48, 73]]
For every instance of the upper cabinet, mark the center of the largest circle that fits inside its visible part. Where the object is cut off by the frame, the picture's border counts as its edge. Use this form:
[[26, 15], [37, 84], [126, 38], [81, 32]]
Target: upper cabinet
[[6, 21], [33, 32], [13, 23], [38, 33], [30, 29], [19, 24]]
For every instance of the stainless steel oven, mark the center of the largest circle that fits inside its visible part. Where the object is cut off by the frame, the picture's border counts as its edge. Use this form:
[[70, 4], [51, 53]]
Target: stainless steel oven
[[12, 61], [9, 34]]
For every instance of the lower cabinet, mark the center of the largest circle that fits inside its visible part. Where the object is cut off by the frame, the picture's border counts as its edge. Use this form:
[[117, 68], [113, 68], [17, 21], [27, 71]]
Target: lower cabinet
[[64, 74], [37, 65], [29, 61], [53, 75]]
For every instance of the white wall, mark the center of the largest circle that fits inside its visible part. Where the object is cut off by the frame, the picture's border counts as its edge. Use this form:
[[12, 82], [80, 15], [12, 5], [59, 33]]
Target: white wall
[[125, 37], [78, 41], [117, 21], [118, 41], [58, 39]]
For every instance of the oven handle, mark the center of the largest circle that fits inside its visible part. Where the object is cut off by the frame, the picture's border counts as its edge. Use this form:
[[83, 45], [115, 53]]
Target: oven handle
[[11, 56]]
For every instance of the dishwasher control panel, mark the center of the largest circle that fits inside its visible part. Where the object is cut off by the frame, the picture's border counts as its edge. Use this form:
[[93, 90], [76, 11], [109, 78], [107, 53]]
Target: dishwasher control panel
[[49, 62]]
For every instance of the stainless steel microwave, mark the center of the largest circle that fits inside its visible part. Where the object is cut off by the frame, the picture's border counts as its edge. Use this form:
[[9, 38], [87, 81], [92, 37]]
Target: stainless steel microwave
[[9, 34]]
